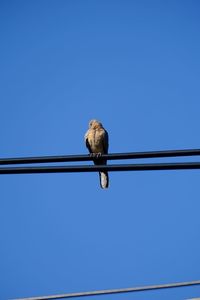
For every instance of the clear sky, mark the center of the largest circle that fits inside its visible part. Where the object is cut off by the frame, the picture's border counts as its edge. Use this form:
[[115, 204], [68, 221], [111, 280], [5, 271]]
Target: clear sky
[[135, 66]]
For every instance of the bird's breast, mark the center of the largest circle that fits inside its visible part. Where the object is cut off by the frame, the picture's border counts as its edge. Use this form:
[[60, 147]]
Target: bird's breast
[[95, 139]]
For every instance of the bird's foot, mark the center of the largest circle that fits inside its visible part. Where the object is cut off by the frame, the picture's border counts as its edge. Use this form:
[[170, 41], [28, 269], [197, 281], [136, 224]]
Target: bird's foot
[[96, 155]]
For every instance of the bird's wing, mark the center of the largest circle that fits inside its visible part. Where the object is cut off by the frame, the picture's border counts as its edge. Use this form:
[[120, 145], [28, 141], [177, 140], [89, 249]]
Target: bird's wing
[[105, 142], [87, 142]]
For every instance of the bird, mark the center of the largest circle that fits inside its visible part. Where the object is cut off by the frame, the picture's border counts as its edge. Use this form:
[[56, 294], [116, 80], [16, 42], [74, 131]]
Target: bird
[[96, 140]]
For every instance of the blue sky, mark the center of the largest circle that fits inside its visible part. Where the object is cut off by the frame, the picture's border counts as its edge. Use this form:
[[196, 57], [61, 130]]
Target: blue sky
[[135, 66]]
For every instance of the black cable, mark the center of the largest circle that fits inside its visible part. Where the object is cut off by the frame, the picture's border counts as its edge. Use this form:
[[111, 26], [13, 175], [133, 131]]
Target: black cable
[[97, 168], [116, 291], [111, 156]]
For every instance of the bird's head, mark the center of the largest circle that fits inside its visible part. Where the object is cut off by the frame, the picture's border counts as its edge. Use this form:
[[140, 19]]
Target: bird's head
[[95, 124]]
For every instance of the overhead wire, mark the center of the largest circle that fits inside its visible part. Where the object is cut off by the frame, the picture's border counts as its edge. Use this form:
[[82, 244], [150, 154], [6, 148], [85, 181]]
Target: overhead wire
[[116, 291], [98, 168], [90, 168], [110, 156]]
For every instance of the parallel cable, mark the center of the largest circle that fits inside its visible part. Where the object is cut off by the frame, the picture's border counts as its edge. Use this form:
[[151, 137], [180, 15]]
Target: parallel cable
[[97, 168], [111, 156], [116, 291]]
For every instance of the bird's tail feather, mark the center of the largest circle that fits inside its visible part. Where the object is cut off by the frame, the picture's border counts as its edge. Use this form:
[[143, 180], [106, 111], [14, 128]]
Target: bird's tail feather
[[104, 179]]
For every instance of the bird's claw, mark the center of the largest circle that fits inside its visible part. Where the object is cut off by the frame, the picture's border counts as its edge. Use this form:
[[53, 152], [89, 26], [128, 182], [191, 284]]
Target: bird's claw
[[96, 155]]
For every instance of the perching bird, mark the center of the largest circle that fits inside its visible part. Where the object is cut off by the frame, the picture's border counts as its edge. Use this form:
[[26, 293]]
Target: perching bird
[[96, 139]]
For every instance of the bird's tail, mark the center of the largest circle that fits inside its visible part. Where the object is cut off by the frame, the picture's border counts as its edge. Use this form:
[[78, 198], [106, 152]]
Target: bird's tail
[[104, 180]]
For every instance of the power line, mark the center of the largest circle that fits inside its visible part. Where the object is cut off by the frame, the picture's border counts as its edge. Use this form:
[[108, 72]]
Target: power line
[[111, 156], [117, 291], [97, 168]]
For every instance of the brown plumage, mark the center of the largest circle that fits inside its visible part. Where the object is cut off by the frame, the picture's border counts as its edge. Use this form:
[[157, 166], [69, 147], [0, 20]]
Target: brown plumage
[[96, 139]]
